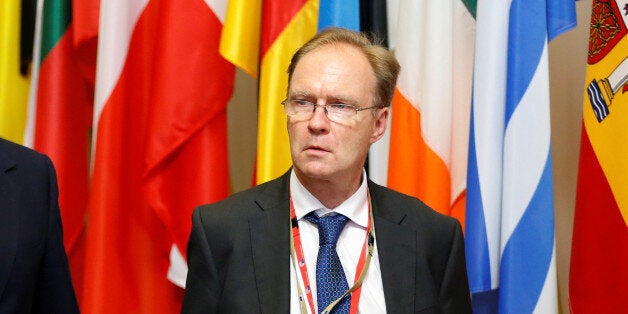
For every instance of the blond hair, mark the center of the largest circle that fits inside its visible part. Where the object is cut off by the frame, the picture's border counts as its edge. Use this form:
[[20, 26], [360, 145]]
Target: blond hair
[[382, 61]]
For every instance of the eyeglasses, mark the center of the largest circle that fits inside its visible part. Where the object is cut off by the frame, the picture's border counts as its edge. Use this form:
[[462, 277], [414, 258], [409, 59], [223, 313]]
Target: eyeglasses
[[304, 110]]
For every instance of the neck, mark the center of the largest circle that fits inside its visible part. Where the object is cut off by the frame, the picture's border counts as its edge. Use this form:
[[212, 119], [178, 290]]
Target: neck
[[331, 193]]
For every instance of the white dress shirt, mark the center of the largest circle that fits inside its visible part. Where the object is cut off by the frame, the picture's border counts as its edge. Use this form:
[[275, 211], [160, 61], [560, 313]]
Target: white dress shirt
[[349, 246]]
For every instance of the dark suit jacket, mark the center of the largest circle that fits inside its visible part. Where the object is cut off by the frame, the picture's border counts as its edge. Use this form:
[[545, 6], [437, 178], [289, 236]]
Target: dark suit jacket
[[238, 254], [34, 273]]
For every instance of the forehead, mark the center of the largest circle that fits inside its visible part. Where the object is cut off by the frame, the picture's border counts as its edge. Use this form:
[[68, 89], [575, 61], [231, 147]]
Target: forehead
[[333, 68]]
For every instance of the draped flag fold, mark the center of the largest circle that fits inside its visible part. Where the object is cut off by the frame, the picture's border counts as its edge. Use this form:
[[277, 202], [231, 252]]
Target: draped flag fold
[[510, 244], [160, 148], [14, 85], [260, 37], [598, 280], [374, 20], [430, 113], [60, 118]]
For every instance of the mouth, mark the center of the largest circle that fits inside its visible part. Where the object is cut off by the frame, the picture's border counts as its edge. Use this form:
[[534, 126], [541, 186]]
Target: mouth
[[316, 148]]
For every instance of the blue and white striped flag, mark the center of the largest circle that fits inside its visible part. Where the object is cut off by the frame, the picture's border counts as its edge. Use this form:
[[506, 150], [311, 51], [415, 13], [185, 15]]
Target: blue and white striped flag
[[510, 243]]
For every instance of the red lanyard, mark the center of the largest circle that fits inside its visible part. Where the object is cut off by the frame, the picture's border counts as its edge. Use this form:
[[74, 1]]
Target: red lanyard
[[296, 248]]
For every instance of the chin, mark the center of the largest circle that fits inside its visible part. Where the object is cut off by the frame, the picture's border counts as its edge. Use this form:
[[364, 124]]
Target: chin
[[315, 170]]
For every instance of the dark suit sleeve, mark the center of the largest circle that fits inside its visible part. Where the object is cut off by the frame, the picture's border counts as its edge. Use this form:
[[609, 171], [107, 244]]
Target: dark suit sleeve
[[202, 291], [54, 292], [454, 294]]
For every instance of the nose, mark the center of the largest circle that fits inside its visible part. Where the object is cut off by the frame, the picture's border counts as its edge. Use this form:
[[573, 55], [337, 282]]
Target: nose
[[316, 106], [319, 123]]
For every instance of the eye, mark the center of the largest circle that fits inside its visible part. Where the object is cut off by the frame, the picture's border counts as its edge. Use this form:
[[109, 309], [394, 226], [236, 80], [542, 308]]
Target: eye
[[301, 103], [340, 107]]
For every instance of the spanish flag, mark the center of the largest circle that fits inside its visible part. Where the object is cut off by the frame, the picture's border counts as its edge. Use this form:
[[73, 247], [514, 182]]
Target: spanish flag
[[598, 280]]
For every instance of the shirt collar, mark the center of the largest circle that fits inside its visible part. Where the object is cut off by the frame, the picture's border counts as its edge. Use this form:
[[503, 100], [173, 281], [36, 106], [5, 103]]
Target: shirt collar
[[355, 207]]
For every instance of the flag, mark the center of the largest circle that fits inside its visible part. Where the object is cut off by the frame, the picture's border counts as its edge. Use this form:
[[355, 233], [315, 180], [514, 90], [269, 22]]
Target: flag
[[60, 119], [373, 20], [160, 148], [339, 13], [430, 111], [510, 245], [598, 279], [240, 40], [286, 26], [13, 83], [283, 27]]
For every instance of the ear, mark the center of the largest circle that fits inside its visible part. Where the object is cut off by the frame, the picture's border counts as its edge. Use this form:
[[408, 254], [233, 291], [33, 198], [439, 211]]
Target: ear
[[380, 124]]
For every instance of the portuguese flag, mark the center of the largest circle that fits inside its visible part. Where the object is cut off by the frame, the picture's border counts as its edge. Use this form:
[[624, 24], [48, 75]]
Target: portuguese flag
[[60, 118]]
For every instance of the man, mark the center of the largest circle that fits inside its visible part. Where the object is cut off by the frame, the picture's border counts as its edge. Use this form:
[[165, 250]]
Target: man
[[34, 272], [258, 251]]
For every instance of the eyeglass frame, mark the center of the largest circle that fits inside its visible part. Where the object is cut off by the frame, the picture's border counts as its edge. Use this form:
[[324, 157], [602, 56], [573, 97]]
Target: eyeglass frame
[[325, 106]]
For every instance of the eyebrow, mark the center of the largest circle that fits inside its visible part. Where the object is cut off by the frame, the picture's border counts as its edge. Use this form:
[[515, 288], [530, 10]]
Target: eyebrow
[[299, 94], [331, 99]]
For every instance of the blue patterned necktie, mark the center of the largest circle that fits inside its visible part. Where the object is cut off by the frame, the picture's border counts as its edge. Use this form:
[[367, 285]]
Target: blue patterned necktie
[[331, 282]]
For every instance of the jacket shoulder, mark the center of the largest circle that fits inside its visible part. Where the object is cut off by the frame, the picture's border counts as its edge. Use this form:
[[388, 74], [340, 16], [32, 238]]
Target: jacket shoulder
[[12, 154], [266, 196], [390, 201]]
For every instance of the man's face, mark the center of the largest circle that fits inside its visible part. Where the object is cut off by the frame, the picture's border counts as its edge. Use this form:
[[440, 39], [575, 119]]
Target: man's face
[[334, 150]]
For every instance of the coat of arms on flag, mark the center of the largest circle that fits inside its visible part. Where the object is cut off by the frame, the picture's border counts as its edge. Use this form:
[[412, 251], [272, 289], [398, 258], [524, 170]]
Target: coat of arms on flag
[[608, 28]]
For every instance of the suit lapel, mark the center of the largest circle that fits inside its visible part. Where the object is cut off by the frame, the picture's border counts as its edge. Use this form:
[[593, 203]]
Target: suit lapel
[[396, 246], [271, 247], [8, 223], [269, 228]]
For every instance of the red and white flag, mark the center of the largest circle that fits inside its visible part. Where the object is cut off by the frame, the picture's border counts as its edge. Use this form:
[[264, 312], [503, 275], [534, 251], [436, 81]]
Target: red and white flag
[[160, 147]]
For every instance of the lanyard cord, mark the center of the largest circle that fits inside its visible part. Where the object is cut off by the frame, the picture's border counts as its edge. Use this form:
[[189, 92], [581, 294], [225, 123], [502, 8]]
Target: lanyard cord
[[296, 251]]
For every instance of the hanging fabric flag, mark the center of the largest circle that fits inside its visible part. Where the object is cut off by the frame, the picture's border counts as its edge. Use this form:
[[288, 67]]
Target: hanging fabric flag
[[283, 27], [510, 244], [13, 84], [430, 113], [160, 148], [598, 280], [60, 119], [373, 20], [286, 26], [239, 43], [339, 13]]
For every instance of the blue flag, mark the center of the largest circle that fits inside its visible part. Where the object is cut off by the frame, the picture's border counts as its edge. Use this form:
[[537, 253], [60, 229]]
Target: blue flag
[[339, 13]]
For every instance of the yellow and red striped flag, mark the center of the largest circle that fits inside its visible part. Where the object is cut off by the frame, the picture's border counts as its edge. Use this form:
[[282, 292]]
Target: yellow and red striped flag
[[430, 113], [283, 27], [598, 280]]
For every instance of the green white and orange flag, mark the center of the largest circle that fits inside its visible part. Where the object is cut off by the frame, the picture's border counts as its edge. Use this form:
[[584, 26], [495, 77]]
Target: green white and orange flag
[[598, 281], [13, 84], [434, 42], [272, 30], [60, 118]]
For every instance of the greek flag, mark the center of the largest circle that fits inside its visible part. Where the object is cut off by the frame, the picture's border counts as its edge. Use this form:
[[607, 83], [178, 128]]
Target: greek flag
[[510, 242]]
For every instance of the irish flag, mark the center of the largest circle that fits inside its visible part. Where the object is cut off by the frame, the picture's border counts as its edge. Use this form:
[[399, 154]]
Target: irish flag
[[434, 43]]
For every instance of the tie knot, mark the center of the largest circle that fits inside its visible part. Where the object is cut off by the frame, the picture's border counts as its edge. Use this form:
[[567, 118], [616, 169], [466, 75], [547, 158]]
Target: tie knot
[[329, 227]]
